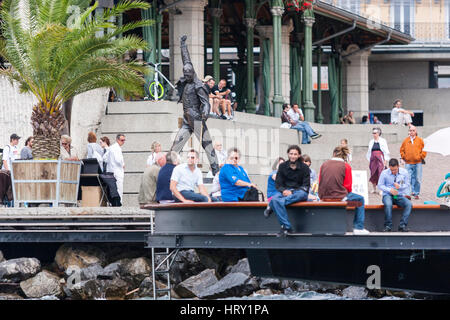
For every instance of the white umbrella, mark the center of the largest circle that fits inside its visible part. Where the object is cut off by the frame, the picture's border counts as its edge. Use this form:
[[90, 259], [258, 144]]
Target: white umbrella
[[438, 142]]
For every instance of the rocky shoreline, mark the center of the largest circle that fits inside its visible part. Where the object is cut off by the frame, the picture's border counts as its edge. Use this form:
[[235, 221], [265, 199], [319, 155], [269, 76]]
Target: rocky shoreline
[[111, 271]]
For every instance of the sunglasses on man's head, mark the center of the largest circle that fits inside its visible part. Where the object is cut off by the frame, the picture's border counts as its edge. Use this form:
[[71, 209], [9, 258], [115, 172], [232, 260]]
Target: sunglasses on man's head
[[191, 157]]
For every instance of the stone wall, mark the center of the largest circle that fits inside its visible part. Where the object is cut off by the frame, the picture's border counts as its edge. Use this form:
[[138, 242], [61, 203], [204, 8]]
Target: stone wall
[[398, 74], [433, 102], [15, 113]]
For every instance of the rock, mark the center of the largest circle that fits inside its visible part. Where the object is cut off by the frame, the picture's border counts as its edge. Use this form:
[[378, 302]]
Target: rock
[[241, 267], [134, 271], [43, 284], [219, 259], [9, 288], [97, 289], [263, 292], [91, 272], [286, 284], [315, 286], [146, 288], [110, 271], [356, 293], [195, 285], [10, 296], [79, 255], [186, 264], [377, 293], [2, 258], [124, 251], [400, 294], [269, 283], [16, 270], [232, 285]]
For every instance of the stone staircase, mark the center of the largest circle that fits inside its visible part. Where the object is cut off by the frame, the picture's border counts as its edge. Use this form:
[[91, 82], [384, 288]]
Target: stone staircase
[[259, 138]]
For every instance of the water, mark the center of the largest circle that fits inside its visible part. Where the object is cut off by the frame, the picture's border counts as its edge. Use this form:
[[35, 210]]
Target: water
[[307, 295]]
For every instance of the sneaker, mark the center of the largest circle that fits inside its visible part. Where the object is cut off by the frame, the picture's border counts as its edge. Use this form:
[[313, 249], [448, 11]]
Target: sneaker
[[224, 117], [285, 232], [416, 197], [387, 229], [403, 229], [315, 136], [360, 231], [268, 212]]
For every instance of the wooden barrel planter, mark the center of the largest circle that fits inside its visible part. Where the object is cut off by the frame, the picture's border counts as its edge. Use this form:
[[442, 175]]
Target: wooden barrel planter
[[45, 181]]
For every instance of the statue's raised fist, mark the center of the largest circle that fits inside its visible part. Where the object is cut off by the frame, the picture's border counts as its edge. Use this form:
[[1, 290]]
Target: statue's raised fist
[[183, 38]]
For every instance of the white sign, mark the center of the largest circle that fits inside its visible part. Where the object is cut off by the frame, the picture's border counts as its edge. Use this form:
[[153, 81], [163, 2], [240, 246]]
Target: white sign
[[359, 184]]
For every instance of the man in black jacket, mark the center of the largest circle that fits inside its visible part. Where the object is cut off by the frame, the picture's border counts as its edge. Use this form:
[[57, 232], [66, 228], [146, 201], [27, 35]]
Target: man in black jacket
[[292, 184]]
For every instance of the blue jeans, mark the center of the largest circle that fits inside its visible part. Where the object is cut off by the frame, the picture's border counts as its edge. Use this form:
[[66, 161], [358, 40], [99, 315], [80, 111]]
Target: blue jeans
[[191, 195], [415, 174], [306, 130], [358, 220], [401, 201], [279, 203]]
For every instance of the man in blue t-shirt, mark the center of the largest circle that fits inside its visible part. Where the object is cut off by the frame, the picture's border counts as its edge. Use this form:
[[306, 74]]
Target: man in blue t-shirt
[[234, 180], [163, 192]]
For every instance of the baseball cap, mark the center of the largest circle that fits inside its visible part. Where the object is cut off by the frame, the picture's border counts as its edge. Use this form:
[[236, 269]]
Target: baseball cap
[[207, 78], [14, 137]]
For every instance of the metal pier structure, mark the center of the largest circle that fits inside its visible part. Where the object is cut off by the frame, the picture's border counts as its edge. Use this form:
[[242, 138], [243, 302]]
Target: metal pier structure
[[63, 224], [324, 247]]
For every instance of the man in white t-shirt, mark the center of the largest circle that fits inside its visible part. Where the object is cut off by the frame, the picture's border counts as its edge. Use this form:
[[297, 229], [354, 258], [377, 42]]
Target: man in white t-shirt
[[10, 152], [185, 177], [400, 115], [296, 114]]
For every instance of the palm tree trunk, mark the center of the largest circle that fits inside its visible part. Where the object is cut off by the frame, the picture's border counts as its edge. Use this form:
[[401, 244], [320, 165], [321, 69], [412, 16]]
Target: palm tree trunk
[[45, 147], [47, 123]]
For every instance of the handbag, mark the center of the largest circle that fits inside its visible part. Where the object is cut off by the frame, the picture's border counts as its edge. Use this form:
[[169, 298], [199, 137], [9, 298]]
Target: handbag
[[252, 194]]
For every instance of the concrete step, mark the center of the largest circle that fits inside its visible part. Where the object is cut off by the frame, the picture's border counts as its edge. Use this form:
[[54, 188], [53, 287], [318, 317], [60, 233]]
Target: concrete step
[[129, 123], [141, 107]]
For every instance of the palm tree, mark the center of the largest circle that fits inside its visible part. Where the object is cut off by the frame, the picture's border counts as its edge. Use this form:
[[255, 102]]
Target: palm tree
[[56, 52]]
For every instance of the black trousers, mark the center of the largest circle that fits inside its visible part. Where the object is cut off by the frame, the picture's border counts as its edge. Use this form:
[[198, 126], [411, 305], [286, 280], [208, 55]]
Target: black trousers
[[198, 128]]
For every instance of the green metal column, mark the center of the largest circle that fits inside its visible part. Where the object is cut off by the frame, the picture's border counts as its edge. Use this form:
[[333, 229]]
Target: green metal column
[[250, 23], [159, 18], [277, 11], [119, 92], [149, 34], [295, 74], [216, 13], [319, 86], [266, 76], [308, 20]]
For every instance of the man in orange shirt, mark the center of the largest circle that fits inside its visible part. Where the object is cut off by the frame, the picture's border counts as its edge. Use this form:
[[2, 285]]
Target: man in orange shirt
[[412, 153]]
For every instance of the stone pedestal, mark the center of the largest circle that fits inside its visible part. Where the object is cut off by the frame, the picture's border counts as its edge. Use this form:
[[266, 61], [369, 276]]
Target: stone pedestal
[[191, 23], [356, 84]]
